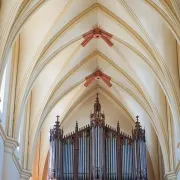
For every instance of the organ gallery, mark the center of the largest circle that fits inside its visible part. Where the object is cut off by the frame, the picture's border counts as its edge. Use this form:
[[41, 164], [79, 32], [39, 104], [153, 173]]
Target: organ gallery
[[97, 151]]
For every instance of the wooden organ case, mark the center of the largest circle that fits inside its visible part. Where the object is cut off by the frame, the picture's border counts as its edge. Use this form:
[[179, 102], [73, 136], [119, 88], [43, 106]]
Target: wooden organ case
[[97, 151]]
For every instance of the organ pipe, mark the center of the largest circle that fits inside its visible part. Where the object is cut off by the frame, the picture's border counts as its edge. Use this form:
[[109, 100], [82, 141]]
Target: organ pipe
[[76, 153], [97, 151], [139, 153], [55, 162], [97, 128]]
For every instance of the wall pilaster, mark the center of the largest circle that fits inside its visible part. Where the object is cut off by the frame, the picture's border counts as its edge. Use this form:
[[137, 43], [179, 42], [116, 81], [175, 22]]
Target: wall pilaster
[[1, 155], [10, 166], [10, 169]]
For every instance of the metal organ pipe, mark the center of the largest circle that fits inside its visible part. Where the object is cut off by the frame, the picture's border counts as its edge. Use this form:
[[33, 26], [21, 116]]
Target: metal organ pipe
[[139, 153], [97, 135], [56, 137], [97, 152]]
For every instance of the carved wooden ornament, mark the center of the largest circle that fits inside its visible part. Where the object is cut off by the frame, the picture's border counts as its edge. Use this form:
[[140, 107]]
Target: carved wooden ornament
[[97, 33], [98, 75]]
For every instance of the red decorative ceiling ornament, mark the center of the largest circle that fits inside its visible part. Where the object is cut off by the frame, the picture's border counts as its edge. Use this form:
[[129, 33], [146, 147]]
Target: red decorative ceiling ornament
[[97, 76], [97, 33]]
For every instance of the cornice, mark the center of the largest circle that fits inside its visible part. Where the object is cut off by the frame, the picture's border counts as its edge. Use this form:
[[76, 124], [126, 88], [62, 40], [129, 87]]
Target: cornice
[[8, 141], [10, 147]]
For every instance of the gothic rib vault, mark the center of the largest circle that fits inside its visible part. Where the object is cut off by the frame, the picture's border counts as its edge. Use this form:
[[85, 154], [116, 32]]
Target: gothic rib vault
[[56, 54]]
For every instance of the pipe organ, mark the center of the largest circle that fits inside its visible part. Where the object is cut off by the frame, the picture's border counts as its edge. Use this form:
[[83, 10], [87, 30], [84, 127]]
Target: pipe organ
[[97, 151]]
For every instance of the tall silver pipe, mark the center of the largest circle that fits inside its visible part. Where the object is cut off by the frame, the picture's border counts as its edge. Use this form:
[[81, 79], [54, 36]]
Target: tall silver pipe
[[56, 137]]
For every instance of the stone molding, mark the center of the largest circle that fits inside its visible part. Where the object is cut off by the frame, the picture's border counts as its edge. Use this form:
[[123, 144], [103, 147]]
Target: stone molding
[[25, 175], [10, 145], [8, 141], [173, 174]]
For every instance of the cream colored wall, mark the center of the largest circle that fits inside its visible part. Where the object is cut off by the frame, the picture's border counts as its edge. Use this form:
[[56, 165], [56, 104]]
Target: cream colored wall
[[143, 63]]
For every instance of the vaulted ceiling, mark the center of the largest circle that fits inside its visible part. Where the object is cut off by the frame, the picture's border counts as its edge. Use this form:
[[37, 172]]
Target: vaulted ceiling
[[136, 47]]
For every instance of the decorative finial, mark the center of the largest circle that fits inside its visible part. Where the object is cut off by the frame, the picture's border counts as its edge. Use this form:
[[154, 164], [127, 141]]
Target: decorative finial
[[56, 132], [76, 129], [97, 97], [118, 127], [57, 118], [137, 124], [97, 105], [137, 117], [57, 123]]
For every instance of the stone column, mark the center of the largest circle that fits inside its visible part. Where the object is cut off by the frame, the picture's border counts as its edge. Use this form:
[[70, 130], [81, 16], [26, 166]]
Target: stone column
[[1, 155], [10, 168]]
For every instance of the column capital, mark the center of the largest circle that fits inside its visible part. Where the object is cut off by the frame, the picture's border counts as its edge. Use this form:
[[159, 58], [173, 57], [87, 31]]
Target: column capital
[[10, 144], [25, 174], [170, 176]]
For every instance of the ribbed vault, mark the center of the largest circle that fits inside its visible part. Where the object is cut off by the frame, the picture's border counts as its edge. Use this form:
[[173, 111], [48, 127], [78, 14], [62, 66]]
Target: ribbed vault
[[45, 40]]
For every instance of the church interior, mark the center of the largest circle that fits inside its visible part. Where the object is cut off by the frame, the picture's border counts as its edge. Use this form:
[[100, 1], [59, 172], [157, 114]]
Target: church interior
[[57, 57]]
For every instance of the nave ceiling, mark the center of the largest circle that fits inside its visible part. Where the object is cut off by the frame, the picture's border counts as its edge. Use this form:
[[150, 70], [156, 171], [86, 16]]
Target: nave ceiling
[[50, 63]]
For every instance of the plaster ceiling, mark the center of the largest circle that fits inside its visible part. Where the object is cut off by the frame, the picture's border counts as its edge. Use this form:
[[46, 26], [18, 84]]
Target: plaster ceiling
[[53, 63]]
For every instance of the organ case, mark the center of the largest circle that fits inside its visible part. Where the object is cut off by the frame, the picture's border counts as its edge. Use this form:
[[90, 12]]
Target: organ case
[[97, 151]]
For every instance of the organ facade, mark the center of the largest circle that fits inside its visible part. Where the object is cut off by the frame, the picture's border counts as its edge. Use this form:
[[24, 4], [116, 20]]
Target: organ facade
[[97, 151]]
